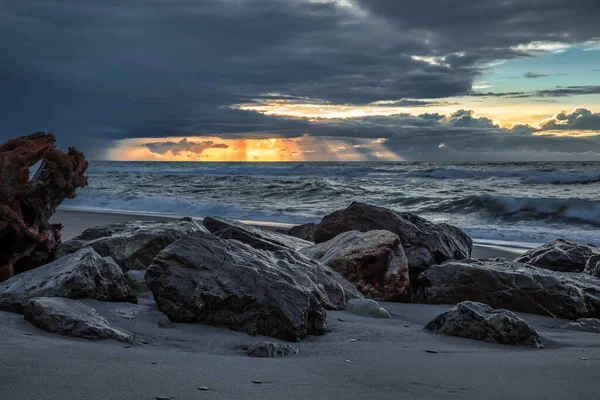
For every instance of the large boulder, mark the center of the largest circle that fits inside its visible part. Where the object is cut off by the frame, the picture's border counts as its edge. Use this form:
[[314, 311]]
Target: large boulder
[[560, 255], [374, 261], [133, 244], [82, 275], [501, 283], [304, 232], [258, 238], [204, 279], [592, 267], [481, 322], [71, 318], [424, 242]]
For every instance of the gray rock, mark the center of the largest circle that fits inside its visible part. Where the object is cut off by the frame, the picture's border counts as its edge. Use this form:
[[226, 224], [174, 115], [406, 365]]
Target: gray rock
[[71, 318], [424, 243], [366, 308], [481, 322], [592, 267], [560, 255], [82, 275], [258, 238], [501, 283], [374, 261], [204, 279], [137, 282], [584, 325], [133, 244], [270, 349], [304, 232]]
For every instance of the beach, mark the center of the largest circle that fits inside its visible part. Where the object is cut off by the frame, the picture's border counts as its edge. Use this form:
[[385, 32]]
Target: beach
[[360, 358]]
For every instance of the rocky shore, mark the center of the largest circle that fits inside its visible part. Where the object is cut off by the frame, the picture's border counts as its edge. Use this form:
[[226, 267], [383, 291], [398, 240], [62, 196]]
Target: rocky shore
[[367, 286]]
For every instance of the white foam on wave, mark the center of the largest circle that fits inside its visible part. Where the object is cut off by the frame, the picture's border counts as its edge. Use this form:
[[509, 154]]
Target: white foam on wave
[[179, 207], [526, 177]]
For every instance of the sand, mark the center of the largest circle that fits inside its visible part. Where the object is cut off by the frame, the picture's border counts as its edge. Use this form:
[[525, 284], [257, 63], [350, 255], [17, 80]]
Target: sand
[[389, 361]]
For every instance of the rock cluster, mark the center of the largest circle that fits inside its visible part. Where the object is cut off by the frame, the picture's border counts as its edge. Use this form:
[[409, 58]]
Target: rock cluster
[[424, 242]]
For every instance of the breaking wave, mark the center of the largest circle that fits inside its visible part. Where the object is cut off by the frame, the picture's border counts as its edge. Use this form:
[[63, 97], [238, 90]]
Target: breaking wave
[[512, 208]]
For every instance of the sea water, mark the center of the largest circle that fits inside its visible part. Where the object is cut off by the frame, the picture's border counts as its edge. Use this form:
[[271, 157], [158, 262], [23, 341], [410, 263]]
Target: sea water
[[520, 204]]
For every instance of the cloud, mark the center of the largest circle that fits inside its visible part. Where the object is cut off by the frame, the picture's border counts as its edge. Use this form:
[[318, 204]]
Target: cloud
[[558, 91], [96, 73], [533, 75], [184, 145], [578, 119]]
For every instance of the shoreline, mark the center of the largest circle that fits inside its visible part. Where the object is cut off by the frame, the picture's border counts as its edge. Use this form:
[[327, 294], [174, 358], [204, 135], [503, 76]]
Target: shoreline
[[76, 221]]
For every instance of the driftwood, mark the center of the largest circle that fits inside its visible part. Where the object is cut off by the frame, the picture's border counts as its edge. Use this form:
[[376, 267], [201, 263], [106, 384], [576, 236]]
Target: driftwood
[[27, 240]]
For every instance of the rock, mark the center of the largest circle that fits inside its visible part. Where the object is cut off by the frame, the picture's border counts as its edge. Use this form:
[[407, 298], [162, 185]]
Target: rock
[[481, 322], [27, 240], [133, 244], [584, 325], [258, 238], [137, 282], [560, 255], [366, 308], [424, 243], [82, 275], [204, 279], [374, 261], [304, 232], [270, 349], [71, 318], [592, 267], [501, 283]]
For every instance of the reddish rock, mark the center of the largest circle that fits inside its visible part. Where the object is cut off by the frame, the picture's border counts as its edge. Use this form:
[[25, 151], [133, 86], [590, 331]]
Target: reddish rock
[[374, 261], [27, 240]]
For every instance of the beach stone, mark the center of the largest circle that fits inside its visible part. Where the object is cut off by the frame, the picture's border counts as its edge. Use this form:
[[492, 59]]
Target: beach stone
[[481, 322], [81, 275], [374, 261], [133, 244], [424, 242], [366, 308], [204, 279], [584, 325], [137, 282], [502, 283], [560, 255], [270, 349], [304, 232], [258, 238], [592, 267], [71, 318]]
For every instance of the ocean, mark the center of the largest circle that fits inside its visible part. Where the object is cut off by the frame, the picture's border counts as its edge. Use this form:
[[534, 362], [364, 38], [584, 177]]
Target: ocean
[[510, 204]]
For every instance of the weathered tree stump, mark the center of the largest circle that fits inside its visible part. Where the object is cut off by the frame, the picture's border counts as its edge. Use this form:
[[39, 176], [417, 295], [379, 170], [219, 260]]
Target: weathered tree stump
[[27, 240]]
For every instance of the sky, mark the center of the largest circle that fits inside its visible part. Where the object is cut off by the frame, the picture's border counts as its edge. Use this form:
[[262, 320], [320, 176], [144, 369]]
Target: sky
[[305, 80]]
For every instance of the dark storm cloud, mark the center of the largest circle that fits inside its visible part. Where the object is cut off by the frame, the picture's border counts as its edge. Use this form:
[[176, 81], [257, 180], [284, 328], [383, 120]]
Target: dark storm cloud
[[97, 72], [578, 119], [184, 144], [558, 91]]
